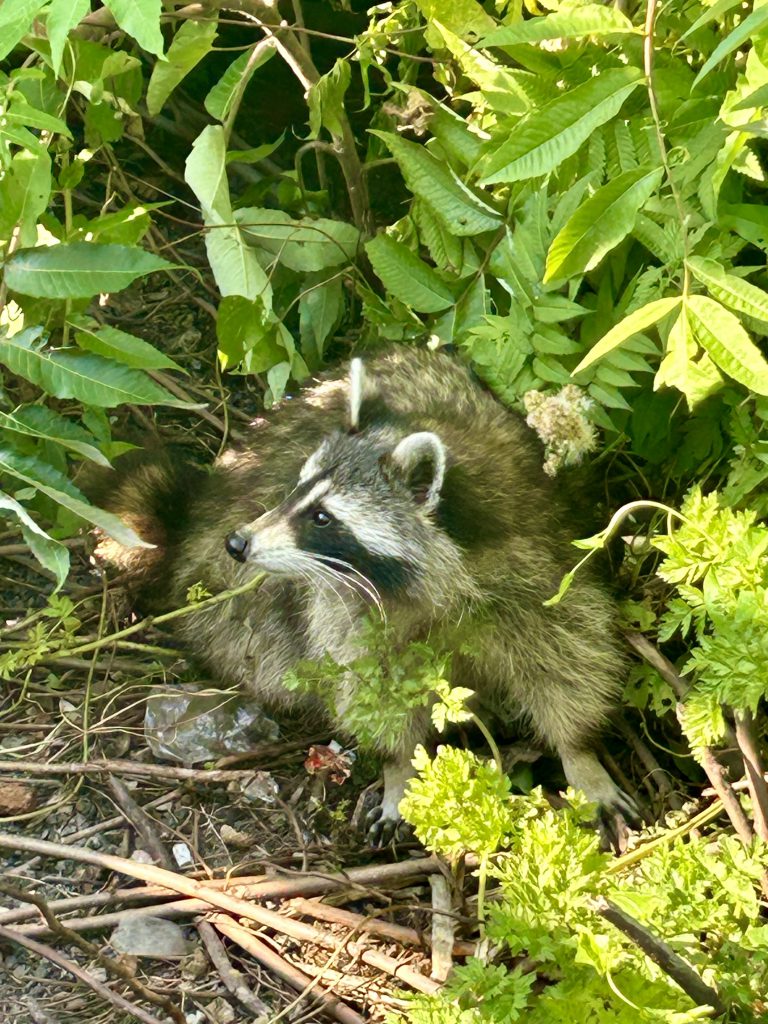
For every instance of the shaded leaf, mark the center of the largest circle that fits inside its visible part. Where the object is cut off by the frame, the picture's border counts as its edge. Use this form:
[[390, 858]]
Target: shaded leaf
[[67, 373], [141, 20], [407, 277], [305, 245], [49, 552], [41, 422], [54, 485], [78, 269], [326, 99], [62, 16], [432, 180], [219, 99], [113, 343], [190, 44]]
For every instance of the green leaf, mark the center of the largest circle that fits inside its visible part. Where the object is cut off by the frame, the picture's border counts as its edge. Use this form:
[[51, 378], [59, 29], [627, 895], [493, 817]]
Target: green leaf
[[694, 375], [190, 44], [730, 347], [407, 277], [49, 552], [16, 17], [63, 15], [432, 180], [54, 485], [24, 192], [320, 309], [305, 245], [589, 20], [118, 345], [234, 264], [548, 136], [326, 99], [464, 17], [743, 33], [243, 329], [717, 10], [253, 156], [78, 269], [140, 19], [67, 373], [236, 77], [20, 112], [600, 223], [45, 424], [636, 322], [732, 291]]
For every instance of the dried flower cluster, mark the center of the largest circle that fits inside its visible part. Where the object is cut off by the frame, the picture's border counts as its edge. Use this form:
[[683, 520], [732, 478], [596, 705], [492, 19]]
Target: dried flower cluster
[[562, 423]]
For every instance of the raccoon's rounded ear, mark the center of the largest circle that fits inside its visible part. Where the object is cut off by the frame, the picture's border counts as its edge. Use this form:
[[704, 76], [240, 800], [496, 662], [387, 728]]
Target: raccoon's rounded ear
[[420, 459]]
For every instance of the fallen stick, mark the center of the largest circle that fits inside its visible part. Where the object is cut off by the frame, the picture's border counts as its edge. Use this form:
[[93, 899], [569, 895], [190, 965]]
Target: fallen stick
[[118, 767], [106, 993], [287, 972], [232, 979], [662, 954], [257, 886], [372, 925]]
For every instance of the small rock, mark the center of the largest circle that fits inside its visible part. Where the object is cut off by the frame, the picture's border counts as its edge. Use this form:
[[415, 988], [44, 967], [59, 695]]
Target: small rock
[[220, 1011], [150, 937], [182, 855], [231, 837], [261, 787], [142, 857], [16, 798], [196, 965]]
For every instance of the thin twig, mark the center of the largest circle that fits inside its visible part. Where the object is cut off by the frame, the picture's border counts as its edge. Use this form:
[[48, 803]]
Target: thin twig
[[141, 821], [662, 954], [232, 979], [118, 767], [106, 993], [285, 971], [755, 775]]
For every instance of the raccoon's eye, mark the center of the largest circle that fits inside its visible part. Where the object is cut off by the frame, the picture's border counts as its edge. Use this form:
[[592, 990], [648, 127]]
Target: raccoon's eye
[[320, 517]]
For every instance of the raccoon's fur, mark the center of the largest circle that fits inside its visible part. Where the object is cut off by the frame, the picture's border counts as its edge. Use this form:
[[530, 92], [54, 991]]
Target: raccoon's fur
[[408, 488]]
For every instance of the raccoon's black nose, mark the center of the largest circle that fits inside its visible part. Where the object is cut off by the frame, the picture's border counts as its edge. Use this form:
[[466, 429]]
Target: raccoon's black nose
[[237, 546]]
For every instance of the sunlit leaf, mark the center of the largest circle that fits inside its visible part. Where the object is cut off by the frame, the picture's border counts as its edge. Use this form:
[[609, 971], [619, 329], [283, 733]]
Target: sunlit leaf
[[636, 322], [78, 269], [719, 332], [600, 223], [407, 277], [119, 345], [589, 20], [732, 291], [49, 552], [547, 136], [141, 20], [190, 44]]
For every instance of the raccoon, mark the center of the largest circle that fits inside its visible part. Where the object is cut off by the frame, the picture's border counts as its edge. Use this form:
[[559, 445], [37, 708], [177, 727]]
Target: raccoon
[[405, 489]]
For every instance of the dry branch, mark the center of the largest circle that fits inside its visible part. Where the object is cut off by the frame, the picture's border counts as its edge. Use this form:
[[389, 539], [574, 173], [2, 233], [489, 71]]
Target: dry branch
[[232, 979]]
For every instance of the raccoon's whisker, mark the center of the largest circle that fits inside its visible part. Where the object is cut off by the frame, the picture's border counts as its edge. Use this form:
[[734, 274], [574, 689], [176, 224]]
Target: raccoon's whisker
[[365, 585], [316, 573]]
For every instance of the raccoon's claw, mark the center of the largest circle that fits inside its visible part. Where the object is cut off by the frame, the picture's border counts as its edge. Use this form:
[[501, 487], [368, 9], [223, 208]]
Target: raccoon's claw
[[615, 819], [381, 829]]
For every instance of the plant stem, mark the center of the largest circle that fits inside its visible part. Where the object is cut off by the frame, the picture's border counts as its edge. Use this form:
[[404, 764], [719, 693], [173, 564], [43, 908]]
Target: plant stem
[[490, 741]]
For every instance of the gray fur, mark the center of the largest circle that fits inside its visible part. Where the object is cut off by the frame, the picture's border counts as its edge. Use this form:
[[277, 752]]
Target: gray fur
[[447, 484]]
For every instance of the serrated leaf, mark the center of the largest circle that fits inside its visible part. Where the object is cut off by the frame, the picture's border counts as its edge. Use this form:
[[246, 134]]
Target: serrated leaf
[[40, 422], [717, 10], [719, 332], [730, 290], [407, 277], [589, 20], [49, 552], [636, 322], [67, 373], [453, 133], [62, 16], [235, 78], [435, 183], [600, 223], [54, 485], [16, 17], [306, 245], [743, 33], [78, 270], [141, 20], [190, 44], [548, 136], [682, 367], [113, 343]]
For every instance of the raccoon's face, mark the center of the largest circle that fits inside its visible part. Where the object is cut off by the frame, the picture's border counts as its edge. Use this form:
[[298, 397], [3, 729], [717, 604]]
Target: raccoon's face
[[362, 508]]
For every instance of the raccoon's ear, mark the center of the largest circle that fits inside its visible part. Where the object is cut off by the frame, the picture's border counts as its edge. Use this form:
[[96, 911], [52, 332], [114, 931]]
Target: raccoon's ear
[[365, 403], [420, 459]]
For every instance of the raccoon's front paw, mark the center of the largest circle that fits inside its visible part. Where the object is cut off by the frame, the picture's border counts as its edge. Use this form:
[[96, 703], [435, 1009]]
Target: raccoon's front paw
[[616, 816], [383, 829]]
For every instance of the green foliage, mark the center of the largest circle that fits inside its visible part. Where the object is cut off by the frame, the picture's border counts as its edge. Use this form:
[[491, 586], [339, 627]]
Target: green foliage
[[568, 208]]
